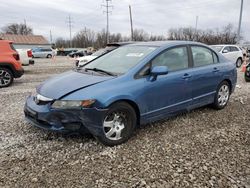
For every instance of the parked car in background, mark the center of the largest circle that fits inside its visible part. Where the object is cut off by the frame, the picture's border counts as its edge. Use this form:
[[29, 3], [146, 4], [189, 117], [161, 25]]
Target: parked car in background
[[231, 52], [43, 52], [246, 48], [10, 65], [247, 73], [134, 84], [81, 61], [65, 52], [25, 56], [79, 53]]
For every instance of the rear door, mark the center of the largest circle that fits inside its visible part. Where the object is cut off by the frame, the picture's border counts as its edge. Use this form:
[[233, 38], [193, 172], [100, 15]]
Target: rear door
[[206, 75], [226, 52], [235, 53]]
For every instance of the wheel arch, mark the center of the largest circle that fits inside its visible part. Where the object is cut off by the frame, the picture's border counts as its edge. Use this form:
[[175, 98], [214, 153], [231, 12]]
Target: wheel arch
[[230, 84], [8, 66], [133, 105]]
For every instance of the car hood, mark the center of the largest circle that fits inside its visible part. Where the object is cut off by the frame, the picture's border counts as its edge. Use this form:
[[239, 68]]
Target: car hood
[[68, 82]]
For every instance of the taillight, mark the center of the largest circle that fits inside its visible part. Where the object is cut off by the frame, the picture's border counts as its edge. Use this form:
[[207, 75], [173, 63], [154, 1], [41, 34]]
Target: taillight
[[29, 53], [16, 56]]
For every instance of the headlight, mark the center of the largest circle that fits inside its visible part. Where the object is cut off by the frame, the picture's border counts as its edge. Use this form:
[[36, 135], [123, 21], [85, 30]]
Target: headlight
[[69, 104]]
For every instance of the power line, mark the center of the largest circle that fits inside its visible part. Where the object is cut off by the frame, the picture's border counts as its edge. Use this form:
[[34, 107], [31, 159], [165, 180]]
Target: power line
[[107, 6], [240, 18], [196, 25], [131, 24], [70, 24], [50, 34]]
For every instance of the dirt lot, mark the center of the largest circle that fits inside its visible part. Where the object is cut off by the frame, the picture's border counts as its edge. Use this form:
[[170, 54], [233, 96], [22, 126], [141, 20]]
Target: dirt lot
[[204, 148]]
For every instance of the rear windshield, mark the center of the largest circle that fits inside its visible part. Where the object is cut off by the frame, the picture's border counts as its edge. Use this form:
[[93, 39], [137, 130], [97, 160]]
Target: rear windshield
[[12, 47]]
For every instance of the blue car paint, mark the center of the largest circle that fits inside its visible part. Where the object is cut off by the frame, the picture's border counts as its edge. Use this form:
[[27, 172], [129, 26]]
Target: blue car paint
[[69, 81], [181, 90]]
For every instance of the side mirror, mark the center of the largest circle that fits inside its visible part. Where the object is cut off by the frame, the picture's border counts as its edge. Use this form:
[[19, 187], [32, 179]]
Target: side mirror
[[225, 51], [157, 71]]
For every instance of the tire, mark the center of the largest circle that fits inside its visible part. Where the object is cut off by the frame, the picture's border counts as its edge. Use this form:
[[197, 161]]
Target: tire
[[119, 124], [239, 62], [49, 56], [222, 96], [6, 77], [247, 79]]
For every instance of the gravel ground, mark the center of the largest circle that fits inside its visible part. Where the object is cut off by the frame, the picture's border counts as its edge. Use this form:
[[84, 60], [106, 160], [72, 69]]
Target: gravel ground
[[204, 148]]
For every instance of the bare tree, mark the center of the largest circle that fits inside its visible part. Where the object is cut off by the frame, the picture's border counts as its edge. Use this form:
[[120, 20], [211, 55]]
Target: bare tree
[[226, 35], [84, 38], [17, 29], [140, 35]]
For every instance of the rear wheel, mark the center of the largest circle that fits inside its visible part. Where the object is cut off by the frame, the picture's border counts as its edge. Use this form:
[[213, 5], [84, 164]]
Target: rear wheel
[[49, 56], [222, 96], [6, 77], [239, 62], [118, 125]]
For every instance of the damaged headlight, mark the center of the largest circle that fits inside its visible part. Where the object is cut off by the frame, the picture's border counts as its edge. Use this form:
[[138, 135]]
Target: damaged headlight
[[69, 104]]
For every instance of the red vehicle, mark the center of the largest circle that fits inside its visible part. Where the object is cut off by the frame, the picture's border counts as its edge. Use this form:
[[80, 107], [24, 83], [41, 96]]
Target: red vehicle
[[10, 65]]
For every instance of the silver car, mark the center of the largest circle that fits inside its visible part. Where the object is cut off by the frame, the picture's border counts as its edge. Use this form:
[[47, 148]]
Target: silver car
[[42, 52]]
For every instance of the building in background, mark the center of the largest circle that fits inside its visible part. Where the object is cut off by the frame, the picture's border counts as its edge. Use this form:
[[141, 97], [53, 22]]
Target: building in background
[[26, 41]]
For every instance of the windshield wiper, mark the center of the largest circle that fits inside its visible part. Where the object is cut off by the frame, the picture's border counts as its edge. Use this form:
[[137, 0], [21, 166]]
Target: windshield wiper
[[100, 70]]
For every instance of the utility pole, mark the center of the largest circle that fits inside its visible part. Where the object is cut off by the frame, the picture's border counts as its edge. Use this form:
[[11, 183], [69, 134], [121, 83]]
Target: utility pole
[[107, 6], [69, 22], [196, 25], [50, 34], [25, 25], [240, 19], [131, 24]]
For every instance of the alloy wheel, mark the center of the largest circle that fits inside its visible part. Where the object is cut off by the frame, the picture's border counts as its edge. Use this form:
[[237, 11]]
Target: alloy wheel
[[223, 95], [113, 125], [5, 78]]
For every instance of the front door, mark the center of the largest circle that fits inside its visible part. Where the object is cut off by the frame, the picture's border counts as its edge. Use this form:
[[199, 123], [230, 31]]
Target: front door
[[171, 92]]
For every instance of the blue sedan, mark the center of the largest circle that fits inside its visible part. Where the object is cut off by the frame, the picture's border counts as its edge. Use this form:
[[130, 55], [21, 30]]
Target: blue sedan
[[132, 85]]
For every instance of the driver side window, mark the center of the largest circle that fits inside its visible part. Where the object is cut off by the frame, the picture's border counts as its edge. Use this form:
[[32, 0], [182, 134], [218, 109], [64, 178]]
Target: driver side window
[[175, 59]]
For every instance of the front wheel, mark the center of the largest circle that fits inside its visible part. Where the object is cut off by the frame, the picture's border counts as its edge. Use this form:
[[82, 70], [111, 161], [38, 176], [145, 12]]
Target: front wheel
[[119, 124], [6, 77], [222, 96]]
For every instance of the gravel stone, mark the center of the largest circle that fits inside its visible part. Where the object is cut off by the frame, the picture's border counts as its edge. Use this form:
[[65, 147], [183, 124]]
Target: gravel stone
[[202, 148]]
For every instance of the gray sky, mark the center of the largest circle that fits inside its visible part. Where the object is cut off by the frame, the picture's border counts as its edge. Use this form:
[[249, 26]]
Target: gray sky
[[155, 17]]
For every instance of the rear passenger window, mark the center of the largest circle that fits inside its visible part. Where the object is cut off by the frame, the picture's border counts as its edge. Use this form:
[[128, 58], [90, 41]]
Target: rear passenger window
[[233, 49], [202, 56], [175, 59]]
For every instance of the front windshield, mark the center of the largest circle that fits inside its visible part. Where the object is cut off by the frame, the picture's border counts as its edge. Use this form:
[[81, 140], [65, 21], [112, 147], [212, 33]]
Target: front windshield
[[217, 48], [121, 60]]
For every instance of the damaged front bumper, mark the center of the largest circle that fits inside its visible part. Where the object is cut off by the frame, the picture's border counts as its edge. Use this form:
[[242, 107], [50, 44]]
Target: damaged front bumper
[[64, 121]]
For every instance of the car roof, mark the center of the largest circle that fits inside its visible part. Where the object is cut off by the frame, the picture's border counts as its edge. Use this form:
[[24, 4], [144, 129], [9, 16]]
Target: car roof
[[5, 41], [119, 43], [166, 43], [225, 45]]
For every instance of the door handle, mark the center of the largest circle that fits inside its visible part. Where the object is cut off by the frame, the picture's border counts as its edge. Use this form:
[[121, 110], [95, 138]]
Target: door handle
[[186, 76], [216, 69]]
